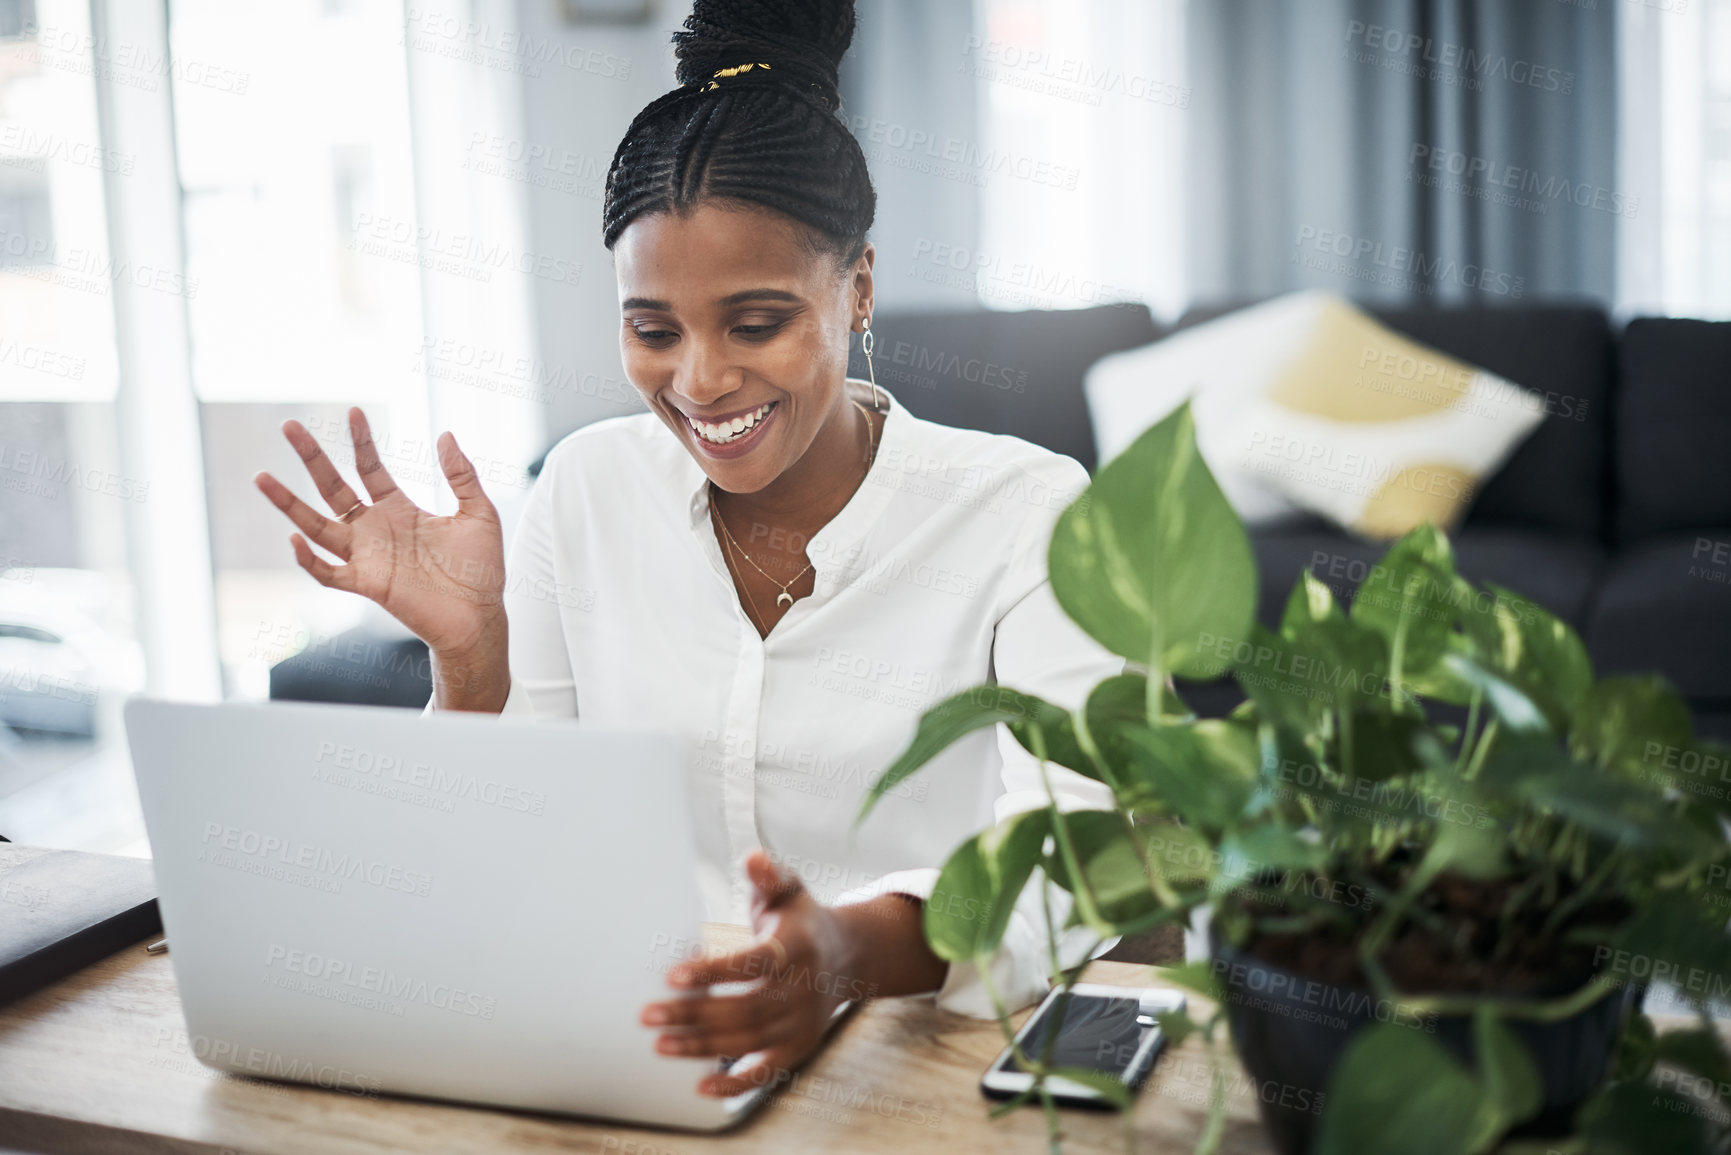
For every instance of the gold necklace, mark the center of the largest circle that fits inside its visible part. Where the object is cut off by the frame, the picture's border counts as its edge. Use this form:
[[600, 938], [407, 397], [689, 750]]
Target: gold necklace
[[782, 598], [756, 614], [785, 597]]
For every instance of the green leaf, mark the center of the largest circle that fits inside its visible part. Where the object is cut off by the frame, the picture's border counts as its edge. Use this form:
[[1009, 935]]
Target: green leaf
[[1249, 854], [1506, 1070], [1548, 654], [1110, 860], [960, 904], [1396, 1090], [1262, 671], [1517, 755], [1511, 701], [1629, 721], [1386, 745], [1697, 770], [1331, 664], [1408, 596], [1532, 769], [1354, 662], [1467, 842], [1439, 683], [1152, 562], [1174, 708], [1179, 854], [976, 891], [1203, 772], [1177, 1026], [1197, 977], [1057, 732], [1675, 937], [1288, 770], [1613, 807], [955, 718], [1120, 699], [1528, 647], [1231, 748], [1124, 698], [1311, 601], [1114, 704]]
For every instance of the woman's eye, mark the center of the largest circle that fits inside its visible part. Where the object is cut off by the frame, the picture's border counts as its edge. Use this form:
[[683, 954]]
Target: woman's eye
[[654, 337], [759, 332]]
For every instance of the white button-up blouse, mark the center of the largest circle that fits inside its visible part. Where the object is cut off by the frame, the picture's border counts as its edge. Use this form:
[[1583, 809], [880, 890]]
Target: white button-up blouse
[[930, 580]]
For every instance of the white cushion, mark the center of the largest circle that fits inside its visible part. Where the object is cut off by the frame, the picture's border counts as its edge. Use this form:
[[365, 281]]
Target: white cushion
[[1305, 402]]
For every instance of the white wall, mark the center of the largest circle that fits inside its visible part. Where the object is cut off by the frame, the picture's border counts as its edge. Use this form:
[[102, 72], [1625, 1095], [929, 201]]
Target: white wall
[[574, 114]]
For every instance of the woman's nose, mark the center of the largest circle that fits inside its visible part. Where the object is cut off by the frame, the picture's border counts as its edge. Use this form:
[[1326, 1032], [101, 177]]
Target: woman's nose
[[706, 377]]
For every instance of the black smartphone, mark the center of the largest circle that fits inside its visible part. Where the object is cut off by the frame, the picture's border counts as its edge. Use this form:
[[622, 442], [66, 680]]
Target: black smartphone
[[1108, 1030]]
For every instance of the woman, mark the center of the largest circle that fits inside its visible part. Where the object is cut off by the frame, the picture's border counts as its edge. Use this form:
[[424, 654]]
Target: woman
[[778, 564]]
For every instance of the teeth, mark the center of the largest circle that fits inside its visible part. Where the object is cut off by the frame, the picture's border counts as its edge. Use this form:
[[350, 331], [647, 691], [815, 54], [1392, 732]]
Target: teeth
[[729, 430]]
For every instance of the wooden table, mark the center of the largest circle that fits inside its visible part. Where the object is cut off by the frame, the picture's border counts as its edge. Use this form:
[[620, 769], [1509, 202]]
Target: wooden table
[[99, 1064]]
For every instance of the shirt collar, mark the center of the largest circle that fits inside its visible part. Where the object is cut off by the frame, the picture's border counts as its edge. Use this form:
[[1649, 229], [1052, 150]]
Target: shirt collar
[[846, 527]]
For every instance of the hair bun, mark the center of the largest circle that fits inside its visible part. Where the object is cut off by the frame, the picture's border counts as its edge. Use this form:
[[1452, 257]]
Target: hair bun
[[802, 41]]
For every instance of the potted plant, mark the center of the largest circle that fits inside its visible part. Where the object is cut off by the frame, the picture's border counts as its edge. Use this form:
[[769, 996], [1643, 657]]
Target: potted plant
[[1440, 859]]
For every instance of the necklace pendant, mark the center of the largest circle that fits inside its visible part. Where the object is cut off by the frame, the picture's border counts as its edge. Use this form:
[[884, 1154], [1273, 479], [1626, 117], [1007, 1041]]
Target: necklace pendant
[[783, 599]]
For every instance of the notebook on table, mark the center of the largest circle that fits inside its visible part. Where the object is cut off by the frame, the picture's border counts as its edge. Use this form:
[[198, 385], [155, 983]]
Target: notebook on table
[[61, 910]]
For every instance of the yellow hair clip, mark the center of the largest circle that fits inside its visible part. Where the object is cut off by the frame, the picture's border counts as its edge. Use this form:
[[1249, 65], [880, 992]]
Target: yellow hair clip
[[734, 71]]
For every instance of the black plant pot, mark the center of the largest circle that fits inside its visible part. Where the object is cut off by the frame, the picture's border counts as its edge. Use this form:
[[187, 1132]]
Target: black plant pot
[[1290, 1032]]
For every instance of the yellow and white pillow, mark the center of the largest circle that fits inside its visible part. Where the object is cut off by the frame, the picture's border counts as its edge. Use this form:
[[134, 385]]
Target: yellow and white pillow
[[1307, 403]]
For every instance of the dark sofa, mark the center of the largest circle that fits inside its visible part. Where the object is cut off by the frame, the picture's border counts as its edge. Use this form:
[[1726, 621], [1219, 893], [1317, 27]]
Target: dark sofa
[[1610, 515], [1615, 514]]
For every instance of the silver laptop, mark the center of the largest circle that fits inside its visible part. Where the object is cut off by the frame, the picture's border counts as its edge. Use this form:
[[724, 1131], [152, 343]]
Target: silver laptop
[[454, 906]]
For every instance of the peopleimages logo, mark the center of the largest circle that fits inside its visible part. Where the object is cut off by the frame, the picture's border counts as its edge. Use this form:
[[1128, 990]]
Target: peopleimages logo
[[475, 257], [85, 269], [1480, 173], [28, 147], [255, 852], [1365, 259], [907, 147], [40, 359], [257, 1061], [375, 988], [1460, 64], [501, 46], [358, 760]]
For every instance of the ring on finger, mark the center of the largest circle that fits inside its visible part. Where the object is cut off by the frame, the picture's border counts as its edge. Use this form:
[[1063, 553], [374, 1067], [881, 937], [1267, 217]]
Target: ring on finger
[[351, 511]]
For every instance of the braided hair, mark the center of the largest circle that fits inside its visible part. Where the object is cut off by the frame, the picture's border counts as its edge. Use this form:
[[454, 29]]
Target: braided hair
[[768, 134]]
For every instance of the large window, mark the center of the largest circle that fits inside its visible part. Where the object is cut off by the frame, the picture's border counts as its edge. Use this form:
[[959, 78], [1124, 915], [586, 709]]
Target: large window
[[68, 647], [1709, 269], [215, 217], [1083, 116], [1675, 140], [297, 178]]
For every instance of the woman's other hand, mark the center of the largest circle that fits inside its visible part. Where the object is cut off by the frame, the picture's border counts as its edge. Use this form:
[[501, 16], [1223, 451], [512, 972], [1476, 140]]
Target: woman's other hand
[[442, 577], [799, 976]]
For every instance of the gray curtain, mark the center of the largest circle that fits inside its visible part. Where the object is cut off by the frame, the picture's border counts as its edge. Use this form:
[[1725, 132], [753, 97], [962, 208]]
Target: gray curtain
[[1404, 150], [906, 97]]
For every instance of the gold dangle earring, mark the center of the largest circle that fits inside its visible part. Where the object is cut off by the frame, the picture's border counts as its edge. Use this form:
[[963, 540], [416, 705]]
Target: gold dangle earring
[[865, 344]]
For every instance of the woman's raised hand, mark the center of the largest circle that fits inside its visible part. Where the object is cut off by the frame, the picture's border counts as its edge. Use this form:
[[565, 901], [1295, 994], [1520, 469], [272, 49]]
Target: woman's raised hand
[[442, 577]]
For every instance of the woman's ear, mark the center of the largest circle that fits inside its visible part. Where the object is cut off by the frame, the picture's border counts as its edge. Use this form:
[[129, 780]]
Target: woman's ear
[[861, 278]]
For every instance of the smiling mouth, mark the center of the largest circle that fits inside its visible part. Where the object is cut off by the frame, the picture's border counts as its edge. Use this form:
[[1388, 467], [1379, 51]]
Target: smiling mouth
[[727, 432]]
